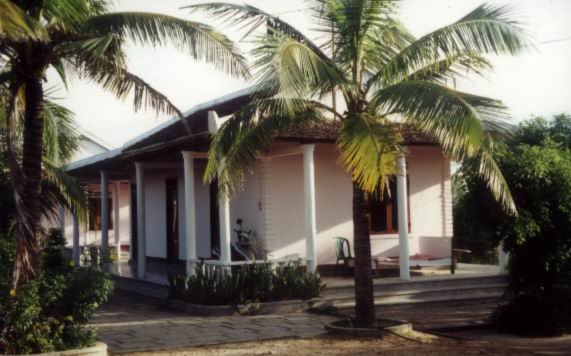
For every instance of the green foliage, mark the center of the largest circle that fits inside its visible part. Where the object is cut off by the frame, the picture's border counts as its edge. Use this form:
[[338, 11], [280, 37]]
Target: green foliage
[[211, 285], [380, 71], [537, 165], [49, 313]]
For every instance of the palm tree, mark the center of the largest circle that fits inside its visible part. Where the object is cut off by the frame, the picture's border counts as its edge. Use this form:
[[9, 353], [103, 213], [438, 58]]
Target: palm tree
[[61, 141], [86, 39], [386, 79]]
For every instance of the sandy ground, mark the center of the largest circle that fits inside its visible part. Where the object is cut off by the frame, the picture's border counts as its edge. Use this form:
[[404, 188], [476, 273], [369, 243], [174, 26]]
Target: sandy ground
[[389, 345]]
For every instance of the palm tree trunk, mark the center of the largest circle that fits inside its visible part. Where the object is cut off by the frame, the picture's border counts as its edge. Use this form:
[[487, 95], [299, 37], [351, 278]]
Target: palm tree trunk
[[28, 195], [364, 298]]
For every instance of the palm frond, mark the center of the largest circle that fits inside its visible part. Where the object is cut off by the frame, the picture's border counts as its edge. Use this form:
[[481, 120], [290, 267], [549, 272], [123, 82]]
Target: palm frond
[[250, 18], [462, 123], [58, 188], [241, 139], [201, 41], [369, 150], [495, 180], [289, 70], [16, 25], [61, 139], [68, 15], [486, 30], [113, 77], [452, 68], [353, 27]]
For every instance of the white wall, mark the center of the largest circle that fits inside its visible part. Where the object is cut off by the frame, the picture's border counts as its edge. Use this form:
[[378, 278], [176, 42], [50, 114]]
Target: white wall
[[87, 237], [277, 215], [430, 205]]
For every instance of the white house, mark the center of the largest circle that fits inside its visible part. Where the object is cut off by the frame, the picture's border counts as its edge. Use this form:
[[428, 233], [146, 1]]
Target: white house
[[296, 197]]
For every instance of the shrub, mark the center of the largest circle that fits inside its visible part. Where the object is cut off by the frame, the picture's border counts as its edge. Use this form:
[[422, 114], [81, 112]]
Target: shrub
[[245, 284], [535, 312], [50, 312], [537, 167]]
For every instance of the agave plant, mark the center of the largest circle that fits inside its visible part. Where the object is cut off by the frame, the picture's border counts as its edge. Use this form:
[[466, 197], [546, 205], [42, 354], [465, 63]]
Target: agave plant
[[384, 79], [86, 39]]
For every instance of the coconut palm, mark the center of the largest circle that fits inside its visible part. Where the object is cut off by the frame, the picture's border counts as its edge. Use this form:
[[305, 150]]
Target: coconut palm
[[83, 38], [385, 78], [60, 141]]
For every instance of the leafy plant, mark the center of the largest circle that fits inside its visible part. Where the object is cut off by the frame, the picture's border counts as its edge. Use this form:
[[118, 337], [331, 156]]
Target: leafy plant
[[246, 284], [537, 166], [50, 313]]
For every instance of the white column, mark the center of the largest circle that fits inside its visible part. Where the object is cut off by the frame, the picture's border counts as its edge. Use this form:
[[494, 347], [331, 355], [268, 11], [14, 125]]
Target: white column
[[404, 252], [190, 210], [141, 240], [75, 251], [503, 258], [266, 206], [104, 186], [116, 221], [131, 221], [224, 216], [309, 207]]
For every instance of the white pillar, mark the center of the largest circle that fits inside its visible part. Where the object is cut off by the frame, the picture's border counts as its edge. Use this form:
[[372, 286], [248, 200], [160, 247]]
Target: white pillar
[[404, 252], [131, 221], [503, 258], [309, 207], [75, 251], [190, 210], [224, 216], [266, 206], [104, 186], [116, 222], [141, 240]]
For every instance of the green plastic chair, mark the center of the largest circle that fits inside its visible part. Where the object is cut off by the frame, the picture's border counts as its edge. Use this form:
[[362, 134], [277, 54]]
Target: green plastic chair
[[342, 256]]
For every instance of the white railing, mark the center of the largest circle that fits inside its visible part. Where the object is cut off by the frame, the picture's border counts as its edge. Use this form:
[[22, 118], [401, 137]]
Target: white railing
[[214, 264]]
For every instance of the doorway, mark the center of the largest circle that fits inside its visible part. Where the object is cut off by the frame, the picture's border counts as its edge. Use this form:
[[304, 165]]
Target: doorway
[[172, 219], [214, 219]]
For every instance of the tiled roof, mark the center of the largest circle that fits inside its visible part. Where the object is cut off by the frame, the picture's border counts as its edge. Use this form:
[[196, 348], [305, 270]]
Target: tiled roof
[[328, 131]]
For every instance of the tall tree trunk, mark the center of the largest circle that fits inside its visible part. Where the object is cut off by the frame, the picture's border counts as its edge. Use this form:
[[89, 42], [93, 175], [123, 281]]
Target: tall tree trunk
[[364, 298], [28, 195]]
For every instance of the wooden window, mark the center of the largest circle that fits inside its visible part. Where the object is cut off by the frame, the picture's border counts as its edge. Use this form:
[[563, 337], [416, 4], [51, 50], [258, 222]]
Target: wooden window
[[383, 212], [95, 212]]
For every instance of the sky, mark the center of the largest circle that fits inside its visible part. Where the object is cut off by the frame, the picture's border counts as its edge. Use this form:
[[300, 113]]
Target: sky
[[535, 83]]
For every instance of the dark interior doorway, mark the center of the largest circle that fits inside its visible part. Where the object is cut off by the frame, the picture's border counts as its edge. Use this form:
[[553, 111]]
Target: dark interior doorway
[[214, 218], [172, 219]]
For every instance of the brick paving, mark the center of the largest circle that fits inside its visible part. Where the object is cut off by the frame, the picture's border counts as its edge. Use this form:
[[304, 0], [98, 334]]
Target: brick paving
[[131, 323]]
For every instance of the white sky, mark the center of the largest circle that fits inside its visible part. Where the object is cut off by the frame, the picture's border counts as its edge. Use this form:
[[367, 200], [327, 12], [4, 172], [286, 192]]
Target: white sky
[[536, 83]]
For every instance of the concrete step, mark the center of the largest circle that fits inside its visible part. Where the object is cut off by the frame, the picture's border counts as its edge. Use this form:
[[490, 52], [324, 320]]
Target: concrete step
[[419, 284], [417, 294], [447, 290], [481, 298]]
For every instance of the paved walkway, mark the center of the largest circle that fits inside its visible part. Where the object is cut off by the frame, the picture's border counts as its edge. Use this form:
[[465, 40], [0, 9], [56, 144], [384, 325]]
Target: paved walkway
[[130, 323]]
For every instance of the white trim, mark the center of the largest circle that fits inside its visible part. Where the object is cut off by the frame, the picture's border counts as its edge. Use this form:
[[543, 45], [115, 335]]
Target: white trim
[[187, 113], [94, 159]]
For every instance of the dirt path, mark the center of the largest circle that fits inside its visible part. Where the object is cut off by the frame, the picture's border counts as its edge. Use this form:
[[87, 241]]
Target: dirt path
[[390, 345]]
